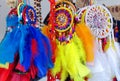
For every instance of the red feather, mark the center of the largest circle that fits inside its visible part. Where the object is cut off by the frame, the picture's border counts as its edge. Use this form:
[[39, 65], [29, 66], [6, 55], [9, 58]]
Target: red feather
[[34, 46]]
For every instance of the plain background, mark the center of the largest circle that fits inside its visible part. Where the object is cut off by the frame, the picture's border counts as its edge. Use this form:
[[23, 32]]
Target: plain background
[[4, 9]]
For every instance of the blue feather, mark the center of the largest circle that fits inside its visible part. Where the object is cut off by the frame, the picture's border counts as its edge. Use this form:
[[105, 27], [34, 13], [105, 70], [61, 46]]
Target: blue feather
[[41, 59], [9, 44], [12, 20], [48, 50], [24, 47]]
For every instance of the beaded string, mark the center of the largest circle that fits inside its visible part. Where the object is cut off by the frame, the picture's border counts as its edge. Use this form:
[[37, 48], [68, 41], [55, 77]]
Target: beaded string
[[37, 7], [52, 35]]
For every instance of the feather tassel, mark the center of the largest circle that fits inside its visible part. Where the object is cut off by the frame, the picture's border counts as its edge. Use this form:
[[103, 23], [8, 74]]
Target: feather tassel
[[24, 47], [70, 59]]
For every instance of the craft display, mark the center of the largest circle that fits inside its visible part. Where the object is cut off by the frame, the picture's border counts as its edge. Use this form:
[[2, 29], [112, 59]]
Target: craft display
[[76, 43]]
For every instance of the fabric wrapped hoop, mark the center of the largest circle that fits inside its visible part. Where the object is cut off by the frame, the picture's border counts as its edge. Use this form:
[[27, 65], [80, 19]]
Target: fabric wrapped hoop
[[29, 15], [64, 19], [100, 20]]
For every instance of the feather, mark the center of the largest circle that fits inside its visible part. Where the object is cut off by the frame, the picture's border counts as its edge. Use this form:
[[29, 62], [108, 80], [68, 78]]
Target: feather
[[9, 46], [5, 73], [101, 70], [57, 64], [6, 65], [24, 47], [74, 60], [47, 32], [71, 59], [87, 38], [48, 50], [12, 20], [41, 58], [113, 59]]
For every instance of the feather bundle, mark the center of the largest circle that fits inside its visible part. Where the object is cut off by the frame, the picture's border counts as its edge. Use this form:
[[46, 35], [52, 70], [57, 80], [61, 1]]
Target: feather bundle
[[71, 60], [42, 58], [113, 58]]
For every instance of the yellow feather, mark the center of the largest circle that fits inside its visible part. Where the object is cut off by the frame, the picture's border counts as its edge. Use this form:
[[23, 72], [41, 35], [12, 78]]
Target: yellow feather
[[71, 59], [6, 65], [57, 64]]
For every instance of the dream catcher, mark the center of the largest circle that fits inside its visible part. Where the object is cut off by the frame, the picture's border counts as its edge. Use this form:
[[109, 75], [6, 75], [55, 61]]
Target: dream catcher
[[100, 22], [66, 39], [39, 45]]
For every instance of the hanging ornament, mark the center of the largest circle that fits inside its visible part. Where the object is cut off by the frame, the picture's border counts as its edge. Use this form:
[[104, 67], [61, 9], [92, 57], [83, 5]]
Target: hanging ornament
[[99, 19]]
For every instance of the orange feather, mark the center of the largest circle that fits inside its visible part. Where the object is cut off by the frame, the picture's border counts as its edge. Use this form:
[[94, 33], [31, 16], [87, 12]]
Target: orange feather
[[87, 38]]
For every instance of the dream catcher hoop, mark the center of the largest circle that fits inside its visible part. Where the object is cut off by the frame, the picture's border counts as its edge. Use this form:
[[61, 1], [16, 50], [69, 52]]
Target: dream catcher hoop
[[64, 19], [80, 13], [66, 4], [29, 15], [100, 21], [64, 16]]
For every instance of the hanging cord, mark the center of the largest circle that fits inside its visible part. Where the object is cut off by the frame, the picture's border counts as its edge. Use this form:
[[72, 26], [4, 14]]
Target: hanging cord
[[19, 12], [38, 8]]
